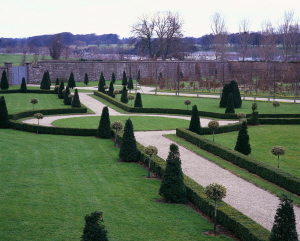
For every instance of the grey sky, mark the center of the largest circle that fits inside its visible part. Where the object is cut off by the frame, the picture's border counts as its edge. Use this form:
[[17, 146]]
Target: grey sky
[[21, 18]]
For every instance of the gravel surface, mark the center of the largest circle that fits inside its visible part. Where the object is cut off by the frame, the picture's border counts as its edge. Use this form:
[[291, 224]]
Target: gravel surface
[[256, 203]]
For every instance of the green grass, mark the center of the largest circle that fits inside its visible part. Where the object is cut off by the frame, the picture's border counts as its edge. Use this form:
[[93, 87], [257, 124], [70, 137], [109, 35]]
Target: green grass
[[263, 138], [140, 123], [212, 104], [16, 59], [49, 183], [235, 169]]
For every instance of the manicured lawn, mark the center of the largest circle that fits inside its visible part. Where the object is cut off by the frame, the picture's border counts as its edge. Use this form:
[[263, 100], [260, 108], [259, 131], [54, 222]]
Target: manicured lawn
[[49, 183], [212, 104], [140, 123], [263, 138]]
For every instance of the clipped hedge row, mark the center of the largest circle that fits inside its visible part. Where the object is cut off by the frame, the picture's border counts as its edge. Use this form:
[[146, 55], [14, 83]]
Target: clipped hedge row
[[37, 91], [29, 113], [279, 121], [272, 174], [162, 110], [235, 221]]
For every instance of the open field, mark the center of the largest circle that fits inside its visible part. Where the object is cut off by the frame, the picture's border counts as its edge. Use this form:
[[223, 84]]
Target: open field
[[49, 183], [16, 59], [140, 123], [263, 138]]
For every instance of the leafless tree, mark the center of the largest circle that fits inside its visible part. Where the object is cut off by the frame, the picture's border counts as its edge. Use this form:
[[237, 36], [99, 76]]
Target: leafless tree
[[268, 41], [244, 37], [56, 47], [219, 30]]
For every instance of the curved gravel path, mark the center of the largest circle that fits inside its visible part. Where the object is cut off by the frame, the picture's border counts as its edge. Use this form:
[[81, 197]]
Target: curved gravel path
[[256, 203]]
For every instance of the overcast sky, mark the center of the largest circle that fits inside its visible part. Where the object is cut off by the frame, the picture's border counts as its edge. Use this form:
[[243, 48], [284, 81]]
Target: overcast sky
[[25, 18]]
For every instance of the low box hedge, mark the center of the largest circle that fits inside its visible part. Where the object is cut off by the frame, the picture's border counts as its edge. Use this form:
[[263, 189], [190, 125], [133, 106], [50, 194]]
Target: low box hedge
[[235, 221], [272, 174], [37, 91]]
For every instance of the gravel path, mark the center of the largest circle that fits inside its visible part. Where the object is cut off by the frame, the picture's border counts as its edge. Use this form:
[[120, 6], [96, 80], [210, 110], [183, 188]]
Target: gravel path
[[256, 203]]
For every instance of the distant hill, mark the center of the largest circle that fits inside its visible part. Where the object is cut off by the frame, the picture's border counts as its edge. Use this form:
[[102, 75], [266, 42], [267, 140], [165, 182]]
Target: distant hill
[[67, 38]]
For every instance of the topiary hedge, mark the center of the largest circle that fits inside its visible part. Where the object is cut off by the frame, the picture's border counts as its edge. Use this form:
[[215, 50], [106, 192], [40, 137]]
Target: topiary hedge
[[272, 174]]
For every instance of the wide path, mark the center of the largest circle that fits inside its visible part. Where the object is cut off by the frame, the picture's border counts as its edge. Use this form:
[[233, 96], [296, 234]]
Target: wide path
[[256, 203]]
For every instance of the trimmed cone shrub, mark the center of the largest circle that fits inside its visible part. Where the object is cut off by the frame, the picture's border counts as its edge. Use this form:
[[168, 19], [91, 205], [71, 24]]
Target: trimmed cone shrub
[[224, 97], [124, 79], [4, 121], [60, 90], [111, 89], [233, 88], [56, 88], [45, 83], [104, 130], [94, 230], [4, 85], [172, 188], [130, 84], [71, 81], [124, 97], [67, 99], [76, 101], [23, 87], [284, 227], [242, 144], [101, 84], [138, 100], [113, 78], [230, 104], [195, 125], [86, 79], [128, 150]]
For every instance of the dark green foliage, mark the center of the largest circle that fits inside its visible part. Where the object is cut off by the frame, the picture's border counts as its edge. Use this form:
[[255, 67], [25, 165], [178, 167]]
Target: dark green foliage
[[23, 87], [4, 85], [86, 79], [45, 83], [4, 121], [233, 88], [124, 79], [113, 78], [172, 187], [76, 101], [230, 104], [128, 150], [56, 84], [195, 125], [104, 130], [111, 89], [60, 90], [56, 81], [138, 76], [254, 118], [124, 97], [284, 227], [71, 81], [67, 99], [242, 143], [94, 230], [130, 84], [138, 100], [101, 83]]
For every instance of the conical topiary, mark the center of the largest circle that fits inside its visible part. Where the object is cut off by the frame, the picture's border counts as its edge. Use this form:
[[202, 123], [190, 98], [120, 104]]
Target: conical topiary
[[86, 79], [23, 87], [130, 84], [124, 79], [284, 227], [111, 89], [172, 188], [124, 97], [128, 150], [76, 101], [104, 130], [101, 84], [237, 100], [224, 97], [230, 104], [60, 90], [4, 121], [45, 83], [113, 78], [4, 85], [195, 125], [67, 99], [242, 143], [138, 100], [71, 81]]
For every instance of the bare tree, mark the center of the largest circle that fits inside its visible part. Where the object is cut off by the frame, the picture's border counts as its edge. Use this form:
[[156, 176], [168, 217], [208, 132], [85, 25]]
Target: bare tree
[[56, 47], [244, 37], [268, 41], [219, 30]]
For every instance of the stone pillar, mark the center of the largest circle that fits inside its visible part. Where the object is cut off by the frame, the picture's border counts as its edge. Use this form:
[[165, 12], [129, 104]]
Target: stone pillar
[[8, 66], [29, 71]]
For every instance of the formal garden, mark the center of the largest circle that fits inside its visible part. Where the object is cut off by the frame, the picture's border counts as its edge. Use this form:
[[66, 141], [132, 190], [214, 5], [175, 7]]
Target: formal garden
[[53, 176]]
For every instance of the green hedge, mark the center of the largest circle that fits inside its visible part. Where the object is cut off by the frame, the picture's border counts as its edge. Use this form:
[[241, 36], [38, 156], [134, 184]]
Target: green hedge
[[28, 91], [235, 221], [272, 174], [279, 121]]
